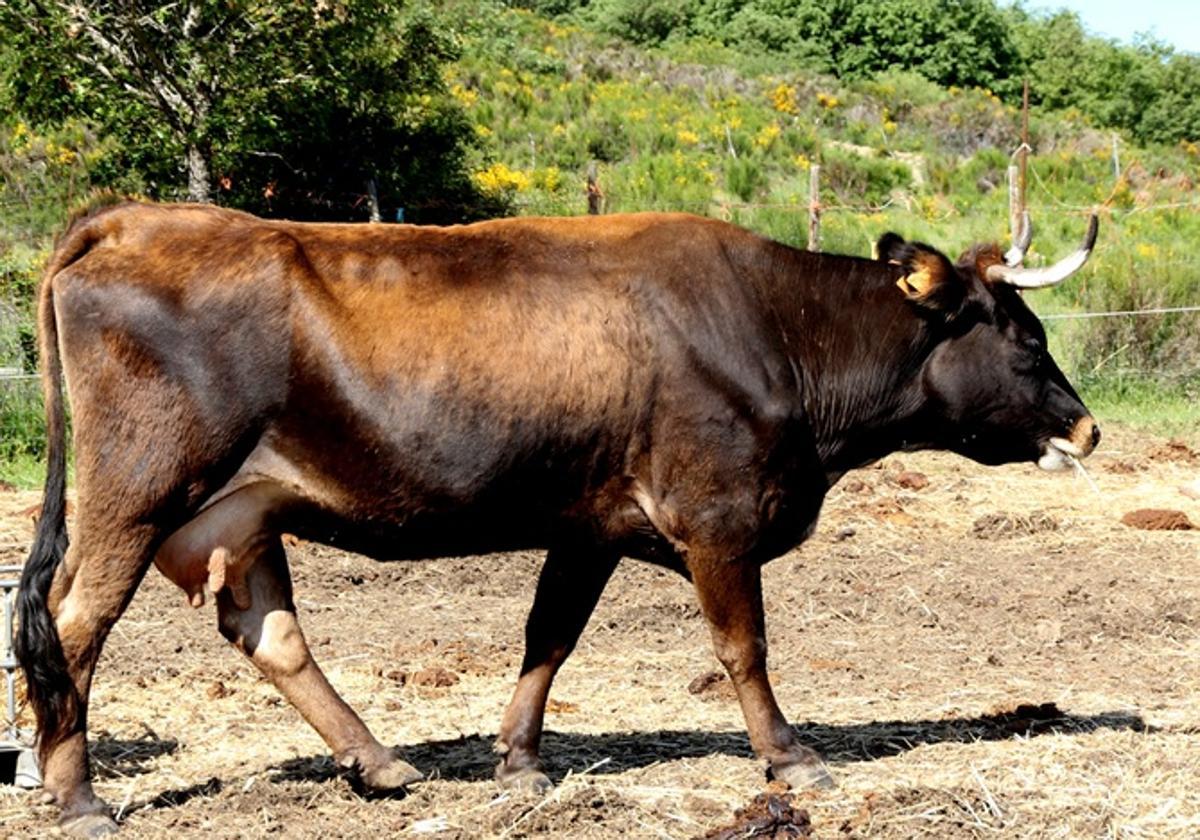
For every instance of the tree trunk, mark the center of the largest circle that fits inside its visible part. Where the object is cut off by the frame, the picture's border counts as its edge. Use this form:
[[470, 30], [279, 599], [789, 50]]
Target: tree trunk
[[199, 187], [373, 201]]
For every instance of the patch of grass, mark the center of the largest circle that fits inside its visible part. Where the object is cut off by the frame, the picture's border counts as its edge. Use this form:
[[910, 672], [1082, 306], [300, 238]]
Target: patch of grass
[[1171, 409], [22, 422], [23, 471]]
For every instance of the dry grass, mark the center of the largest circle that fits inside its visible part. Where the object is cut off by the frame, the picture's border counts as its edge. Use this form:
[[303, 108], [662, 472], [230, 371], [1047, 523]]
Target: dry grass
[[904, 637]]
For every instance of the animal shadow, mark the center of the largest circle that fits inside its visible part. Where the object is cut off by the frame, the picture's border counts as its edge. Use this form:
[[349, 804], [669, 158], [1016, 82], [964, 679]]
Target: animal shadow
[[471, 758], [119, 758]]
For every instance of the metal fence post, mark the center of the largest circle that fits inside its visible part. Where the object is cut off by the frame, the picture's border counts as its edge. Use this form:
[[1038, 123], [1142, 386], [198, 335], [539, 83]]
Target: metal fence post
[[17, 763]]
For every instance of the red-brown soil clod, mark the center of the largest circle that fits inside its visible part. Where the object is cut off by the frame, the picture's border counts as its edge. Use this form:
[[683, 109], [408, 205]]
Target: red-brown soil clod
[[1156, 519], [912, 480], [1175, 450]]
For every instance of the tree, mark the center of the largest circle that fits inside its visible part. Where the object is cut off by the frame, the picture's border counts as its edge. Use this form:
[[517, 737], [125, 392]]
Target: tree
[[964, 43], [1174, 114], [290, 106]]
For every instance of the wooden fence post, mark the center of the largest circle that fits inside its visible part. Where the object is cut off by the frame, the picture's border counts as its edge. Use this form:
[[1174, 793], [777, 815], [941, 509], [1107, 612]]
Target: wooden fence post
[[594, 194], [1024, 157], [814, 207], [1014, 202]]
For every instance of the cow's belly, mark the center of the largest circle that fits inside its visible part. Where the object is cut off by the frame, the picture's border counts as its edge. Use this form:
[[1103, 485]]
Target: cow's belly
[[391, 511]]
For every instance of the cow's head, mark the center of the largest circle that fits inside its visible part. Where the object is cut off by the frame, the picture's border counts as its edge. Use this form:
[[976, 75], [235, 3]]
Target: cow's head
[[992, 390]]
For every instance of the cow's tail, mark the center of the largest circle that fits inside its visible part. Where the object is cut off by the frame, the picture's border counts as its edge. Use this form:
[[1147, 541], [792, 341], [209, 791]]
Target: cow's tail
[[48, 682]]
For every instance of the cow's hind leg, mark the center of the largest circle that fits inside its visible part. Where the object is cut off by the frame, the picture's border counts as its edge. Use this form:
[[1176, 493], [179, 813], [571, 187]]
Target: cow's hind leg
[[258, 616], [569, 587], [90, 590]]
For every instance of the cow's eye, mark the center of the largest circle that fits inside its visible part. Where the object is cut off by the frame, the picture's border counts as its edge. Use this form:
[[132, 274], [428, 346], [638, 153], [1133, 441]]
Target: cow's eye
[[1035, 350]]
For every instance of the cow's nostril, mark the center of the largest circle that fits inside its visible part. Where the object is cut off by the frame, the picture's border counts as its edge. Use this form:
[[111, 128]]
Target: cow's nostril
[[1095, 436]]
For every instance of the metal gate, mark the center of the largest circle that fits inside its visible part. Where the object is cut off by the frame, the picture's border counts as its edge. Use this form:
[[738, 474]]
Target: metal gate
[[17, 763]]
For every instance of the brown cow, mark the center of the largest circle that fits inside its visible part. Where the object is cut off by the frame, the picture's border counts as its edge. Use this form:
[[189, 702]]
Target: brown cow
[[662, 387]]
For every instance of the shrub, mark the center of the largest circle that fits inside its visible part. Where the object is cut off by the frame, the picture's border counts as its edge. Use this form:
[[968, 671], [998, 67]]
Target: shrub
[[744, 178]]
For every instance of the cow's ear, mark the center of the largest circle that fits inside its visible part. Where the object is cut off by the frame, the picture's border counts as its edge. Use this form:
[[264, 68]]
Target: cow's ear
[[887, 249], [928, 279]]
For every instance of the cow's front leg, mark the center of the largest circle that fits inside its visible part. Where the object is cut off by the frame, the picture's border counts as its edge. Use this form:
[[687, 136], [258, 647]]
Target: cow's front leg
[[258, 616], [731, 598], [568, 589]]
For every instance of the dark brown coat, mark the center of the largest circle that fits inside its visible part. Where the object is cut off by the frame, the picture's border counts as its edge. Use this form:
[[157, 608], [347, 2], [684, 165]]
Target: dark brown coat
[[661, 387]]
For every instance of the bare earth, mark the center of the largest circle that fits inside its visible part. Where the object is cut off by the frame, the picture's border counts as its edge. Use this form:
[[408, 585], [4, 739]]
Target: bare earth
[[994, 654]]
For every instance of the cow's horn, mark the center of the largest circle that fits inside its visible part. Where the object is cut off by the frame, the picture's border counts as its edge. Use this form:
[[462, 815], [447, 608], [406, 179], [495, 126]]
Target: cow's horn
[[1015, 255], [1051, 275]]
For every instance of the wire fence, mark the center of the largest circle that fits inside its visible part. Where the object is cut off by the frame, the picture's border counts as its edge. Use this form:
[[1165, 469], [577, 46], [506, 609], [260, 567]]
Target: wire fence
[[1148, 306]]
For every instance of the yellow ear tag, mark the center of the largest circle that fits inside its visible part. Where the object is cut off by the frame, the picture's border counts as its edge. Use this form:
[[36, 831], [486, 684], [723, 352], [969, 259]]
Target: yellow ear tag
[[916, 284]]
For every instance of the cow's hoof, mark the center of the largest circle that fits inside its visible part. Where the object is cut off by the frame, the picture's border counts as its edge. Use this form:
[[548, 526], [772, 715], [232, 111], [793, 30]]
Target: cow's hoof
[[396, 774], [89, 825], [808, 772], [526, 779]]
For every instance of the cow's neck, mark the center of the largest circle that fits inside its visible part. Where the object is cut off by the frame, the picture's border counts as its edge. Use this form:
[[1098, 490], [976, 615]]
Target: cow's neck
[[858, 347]]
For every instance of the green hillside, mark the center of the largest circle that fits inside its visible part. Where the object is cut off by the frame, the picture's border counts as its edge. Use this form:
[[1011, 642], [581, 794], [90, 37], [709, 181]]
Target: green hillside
[[680, 127], [703, 115]]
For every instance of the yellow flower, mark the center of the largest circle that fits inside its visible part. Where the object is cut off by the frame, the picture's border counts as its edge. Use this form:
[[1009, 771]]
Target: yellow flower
[[466, 96], [783, 99], [827, 100], [20, 137], [498, 178], [766, 136], [802, 162], [550, 179], [1147, 251], [482, 130], [687, 138]]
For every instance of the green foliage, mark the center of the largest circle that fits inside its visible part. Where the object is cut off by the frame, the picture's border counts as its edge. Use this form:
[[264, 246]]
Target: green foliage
[[42, 174], [1173, 113], [695, 124], [744, 178], [642, 21], [1165, 408], [20, 271], [951, 42], [288, 107], [852, 178], [1143, 88], [22, 422]]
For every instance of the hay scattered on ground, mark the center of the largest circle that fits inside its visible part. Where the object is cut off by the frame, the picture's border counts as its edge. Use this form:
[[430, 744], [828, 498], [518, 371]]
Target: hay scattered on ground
[[1040, 685]]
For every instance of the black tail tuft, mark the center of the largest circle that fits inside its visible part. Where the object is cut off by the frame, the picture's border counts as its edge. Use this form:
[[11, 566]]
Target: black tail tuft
[[48, 682]]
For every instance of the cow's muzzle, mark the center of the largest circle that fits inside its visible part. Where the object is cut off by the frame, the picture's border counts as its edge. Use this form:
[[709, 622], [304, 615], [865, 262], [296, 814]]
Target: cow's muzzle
[[1059, 452]]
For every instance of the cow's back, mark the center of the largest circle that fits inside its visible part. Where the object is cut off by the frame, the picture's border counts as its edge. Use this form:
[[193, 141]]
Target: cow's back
[[498, 375]]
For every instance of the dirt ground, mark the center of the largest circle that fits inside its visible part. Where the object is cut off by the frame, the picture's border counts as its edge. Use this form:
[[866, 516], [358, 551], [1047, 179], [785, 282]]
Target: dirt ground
[[993, 654]]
